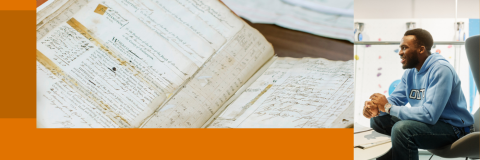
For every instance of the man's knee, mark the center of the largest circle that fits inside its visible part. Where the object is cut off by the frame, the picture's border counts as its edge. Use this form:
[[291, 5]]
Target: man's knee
[[402, 129]]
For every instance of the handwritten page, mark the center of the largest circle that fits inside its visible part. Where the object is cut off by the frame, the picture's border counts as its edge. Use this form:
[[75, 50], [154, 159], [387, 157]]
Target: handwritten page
[[46, 9], [122, 58], [95, 74], [60, 106], [293, 93], [215, 83], [62, 14]]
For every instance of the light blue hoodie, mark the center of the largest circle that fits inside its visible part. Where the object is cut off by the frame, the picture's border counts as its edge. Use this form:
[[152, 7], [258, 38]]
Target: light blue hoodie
[[434, 93]]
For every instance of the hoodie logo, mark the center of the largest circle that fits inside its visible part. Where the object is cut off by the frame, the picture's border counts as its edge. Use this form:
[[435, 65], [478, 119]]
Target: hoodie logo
[[417, 94]]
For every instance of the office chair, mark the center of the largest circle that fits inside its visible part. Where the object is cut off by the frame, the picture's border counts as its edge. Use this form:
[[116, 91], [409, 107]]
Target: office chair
[[467, 146]]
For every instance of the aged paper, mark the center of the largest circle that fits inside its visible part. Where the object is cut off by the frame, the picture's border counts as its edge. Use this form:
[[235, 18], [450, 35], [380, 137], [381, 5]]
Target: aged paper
[[62, 14], [293, 93], [215, 83], [48, 8], [298, 15], [60, 106], [122, 58]]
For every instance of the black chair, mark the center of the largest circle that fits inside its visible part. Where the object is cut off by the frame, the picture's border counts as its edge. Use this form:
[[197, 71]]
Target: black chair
[[467, 146]]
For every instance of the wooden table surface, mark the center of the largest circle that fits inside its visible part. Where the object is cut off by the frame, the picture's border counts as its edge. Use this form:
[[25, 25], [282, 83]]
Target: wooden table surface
[[290, 43], [40, 2]]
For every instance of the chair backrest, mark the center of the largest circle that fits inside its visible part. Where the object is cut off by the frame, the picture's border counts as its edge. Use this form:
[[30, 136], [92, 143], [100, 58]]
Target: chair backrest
[[476, 123], [472, 47]]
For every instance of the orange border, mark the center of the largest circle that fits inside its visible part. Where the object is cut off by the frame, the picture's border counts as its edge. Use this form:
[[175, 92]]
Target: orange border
[[18, 4], [17, 44], [21, 140]]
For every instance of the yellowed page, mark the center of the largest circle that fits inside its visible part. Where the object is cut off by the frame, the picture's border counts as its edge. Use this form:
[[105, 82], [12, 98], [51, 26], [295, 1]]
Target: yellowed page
[[65, 106], [51, 7], [62, 14], [293, 93], [215, 83], [118, 62]]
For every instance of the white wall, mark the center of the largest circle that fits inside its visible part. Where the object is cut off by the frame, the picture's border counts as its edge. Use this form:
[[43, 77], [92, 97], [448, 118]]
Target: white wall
[[393, 9]]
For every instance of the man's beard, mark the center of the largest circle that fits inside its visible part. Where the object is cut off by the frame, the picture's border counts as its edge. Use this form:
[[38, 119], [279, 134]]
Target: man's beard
[[411, 62]]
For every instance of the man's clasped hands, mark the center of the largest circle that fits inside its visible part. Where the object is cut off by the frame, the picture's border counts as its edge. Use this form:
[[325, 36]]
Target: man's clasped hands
[[376, 104]]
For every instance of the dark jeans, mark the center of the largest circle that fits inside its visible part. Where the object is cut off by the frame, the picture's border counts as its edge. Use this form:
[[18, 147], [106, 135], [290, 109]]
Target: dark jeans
[[407, 136]]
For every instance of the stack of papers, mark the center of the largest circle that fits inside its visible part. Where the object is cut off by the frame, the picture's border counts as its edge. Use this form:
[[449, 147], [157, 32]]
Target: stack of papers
[[369, 139], [327, 18], [358, 128]]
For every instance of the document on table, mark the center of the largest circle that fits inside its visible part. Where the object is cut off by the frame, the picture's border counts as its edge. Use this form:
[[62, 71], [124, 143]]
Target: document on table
[[370, 139], [293, 93], [114, 63], [294, 15]]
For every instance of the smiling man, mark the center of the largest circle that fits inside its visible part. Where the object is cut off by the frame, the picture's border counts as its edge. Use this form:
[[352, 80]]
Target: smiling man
[[438, 115]]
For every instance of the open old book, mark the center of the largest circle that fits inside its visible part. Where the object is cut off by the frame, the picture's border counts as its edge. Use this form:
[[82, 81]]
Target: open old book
[[176, 64]]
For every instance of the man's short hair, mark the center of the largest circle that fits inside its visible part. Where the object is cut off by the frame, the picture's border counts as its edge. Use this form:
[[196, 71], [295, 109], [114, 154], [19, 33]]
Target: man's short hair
[[422, 38]]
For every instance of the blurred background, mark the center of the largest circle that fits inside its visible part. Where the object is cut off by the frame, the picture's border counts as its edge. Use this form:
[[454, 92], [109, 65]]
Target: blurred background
[[379, 27]]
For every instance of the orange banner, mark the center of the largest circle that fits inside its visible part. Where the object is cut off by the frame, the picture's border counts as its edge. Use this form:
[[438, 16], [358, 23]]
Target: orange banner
[[19, 4], [17, 45], [21, 140]]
